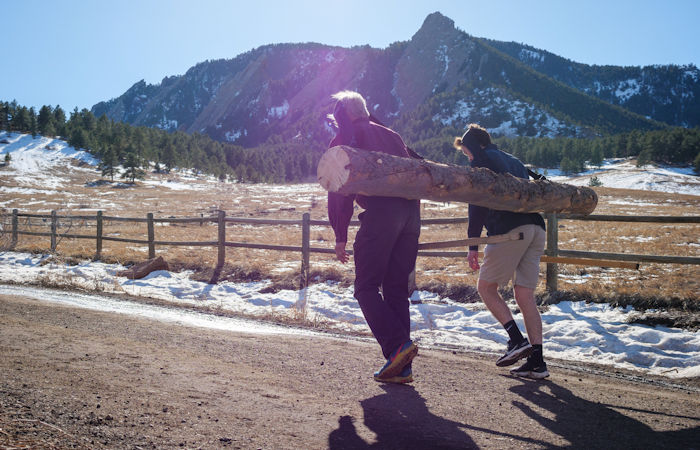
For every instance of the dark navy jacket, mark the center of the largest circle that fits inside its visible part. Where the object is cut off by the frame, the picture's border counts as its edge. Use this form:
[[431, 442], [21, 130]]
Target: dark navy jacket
[[496, 221]]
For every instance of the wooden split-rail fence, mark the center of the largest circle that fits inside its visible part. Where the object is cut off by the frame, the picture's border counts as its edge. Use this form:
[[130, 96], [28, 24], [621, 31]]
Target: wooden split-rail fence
[[553, 254]]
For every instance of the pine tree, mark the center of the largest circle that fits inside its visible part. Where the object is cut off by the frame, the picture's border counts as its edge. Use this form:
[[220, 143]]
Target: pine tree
[[88, 120], [79, 138], [33, 125], [644, 157], [634, 145], [20, 122], [108, 163], [45, 121], [568, 165], [597, 155], [132, 167], [3, 116], [59, 121], [168, 155], [11, 112]]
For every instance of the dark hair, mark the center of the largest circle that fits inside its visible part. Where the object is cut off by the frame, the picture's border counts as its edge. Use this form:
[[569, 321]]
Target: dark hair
[[479, 133], [474, 138]]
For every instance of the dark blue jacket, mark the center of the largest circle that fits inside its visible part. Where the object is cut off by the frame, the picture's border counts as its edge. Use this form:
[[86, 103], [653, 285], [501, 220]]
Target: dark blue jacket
[[496, 221]]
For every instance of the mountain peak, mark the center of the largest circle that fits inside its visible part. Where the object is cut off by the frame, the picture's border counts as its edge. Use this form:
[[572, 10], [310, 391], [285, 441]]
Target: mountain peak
[[442, 74], [436, 21]]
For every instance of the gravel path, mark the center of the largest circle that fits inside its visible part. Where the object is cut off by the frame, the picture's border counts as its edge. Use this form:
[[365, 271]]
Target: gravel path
[[74, 378]]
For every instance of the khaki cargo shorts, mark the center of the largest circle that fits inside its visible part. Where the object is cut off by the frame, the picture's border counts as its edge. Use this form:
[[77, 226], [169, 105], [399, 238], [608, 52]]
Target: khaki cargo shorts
[[521, 258]]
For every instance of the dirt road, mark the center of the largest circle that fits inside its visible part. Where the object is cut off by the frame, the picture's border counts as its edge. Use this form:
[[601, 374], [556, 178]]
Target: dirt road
[[78, 378]]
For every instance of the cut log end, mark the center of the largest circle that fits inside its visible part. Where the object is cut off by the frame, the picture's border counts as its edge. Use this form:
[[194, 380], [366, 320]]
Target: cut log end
[[333, 169]]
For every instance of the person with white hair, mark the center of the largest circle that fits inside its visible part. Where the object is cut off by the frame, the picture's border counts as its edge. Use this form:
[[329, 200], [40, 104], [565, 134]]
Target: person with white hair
[[386, 245]]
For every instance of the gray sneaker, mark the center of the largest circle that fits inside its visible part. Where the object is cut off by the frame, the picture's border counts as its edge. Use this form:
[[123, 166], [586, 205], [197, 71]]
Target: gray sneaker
[[531, 370], [515, 353]]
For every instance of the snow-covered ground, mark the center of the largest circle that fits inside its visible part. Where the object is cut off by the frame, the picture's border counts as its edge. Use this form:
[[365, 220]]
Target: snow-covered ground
[[624, 174], [34, 160], [573, 331]]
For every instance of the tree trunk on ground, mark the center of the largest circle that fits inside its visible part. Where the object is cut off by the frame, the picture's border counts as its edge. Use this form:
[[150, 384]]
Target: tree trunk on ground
[[140, 270], [346, 170]]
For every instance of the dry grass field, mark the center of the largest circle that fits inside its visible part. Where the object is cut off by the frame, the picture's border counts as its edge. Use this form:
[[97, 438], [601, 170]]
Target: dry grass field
[[82, 193]]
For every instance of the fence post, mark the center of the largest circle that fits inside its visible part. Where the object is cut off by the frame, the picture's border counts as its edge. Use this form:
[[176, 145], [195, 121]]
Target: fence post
[[151, 237], [222, 239], [15, 228], [98, 251], [552, 250], [305, 246], [54, 229]]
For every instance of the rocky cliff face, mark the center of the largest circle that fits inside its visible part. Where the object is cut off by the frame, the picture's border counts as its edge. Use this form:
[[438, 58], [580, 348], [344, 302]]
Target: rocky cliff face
[[441, 77], [667, 93]]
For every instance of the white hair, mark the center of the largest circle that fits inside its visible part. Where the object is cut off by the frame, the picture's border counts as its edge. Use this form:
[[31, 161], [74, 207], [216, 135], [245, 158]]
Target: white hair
[[353, 103]]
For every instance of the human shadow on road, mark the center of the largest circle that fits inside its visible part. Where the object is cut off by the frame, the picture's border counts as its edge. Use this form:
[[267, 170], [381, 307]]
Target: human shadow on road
[[401, 419], [587, 424]]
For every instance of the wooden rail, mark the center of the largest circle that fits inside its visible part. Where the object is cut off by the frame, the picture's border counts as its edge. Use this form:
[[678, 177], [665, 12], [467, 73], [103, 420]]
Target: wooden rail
[[553, 251], [553, 254]]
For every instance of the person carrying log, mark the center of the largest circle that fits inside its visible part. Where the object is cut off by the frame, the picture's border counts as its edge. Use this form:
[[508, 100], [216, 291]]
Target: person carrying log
[[503, 260], [386, 244]]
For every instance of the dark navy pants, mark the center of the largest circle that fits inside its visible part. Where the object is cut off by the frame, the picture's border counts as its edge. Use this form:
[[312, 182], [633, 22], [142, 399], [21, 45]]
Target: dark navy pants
[[385, 250]]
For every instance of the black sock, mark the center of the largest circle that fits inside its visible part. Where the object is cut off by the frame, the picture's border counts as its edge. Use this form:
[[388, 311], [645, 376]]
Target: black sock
[[514, 332], [536, 355]]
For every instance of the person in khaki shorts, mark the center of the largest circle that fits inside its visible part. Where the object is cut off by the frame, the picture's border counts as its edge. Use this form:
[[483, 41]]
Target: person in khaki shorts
[[518, 260]]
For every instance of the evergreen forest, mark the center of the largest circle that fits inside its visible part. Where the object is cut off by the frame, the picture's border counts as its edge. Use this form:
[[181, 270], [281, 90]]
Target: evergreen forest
[[136, 148]]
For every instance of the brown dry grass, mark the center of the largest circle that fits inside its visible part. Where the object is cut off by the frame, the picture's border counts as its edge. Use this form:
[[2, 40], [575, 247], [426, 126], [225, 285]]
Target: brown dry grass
[[449, 276]]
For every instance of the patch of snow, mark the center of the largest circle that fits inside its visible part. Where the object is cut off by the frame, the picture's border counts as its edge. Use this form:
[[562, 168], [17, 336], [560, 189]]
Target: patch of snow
[[279, 111], [530, 55], [233, 136], [627, 89], [443, 57], [167, 124]]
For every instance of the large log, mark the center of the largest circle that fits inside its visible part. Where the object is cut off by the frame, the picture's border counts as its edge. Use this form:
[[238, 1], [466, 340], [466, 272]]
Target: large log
[[347, 170]]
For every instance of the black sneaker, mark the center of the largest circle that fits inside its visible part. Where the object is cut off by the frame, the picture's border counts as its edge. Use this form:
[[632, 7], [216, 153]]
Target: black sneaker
[[531, 370], [514, 353]]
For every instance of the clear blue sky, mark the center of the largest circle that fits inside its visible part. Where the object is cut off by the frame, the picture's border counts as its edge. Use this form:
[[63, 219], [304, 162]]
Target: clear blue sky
[[80, 52]]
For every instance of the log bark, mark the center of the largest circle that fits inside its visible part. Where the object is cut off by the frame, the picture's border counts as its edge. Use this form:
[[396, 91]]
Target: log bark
[[347, 170]]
